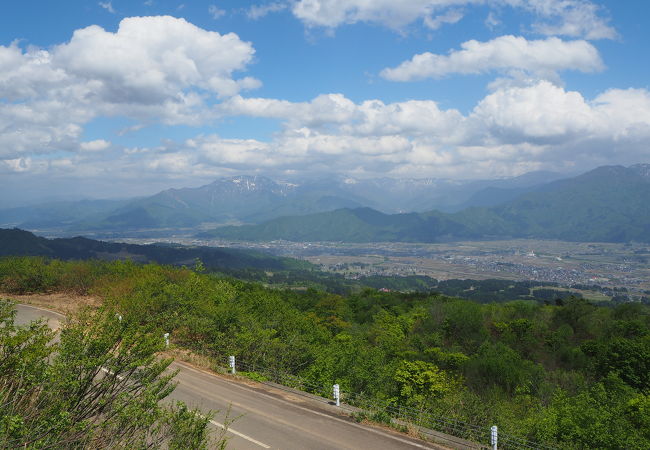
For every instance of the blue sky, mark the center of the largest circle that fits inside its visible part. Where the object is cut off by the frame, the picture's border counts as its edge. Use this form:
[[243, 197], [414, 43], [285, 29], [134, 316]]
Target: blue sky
[[120, 98]]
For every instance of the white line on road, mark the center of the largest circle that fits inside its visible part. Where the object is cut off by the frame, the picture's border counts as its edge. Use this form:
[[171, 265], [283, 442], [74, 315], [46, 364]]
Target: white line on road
[[41, 309], [241, 435], [346, 422]]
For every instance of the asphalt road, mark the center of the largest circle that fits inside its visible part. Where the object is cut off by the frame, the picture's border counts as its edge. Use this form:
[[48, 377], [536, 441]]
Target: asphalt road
[[26, 314], [265, 416]]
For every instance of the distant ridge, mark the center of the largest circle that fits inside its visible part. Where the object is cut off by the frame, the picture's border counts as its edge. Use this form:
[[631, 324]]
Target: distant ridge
[[16, 242], [236, 199], [255, 199], [608, 204]]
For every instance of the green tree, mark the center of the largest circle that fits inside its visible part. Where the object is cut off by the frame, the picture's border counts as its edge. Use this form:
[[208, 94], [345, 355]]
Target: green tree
[[100, 386], [420, 382]]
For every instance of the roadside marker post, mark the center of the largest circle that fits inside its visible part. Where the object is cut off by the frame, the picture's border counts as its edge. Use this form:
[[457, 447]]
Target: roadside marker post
[[337, 394], [166, 335], [493, 437], [231, 363]]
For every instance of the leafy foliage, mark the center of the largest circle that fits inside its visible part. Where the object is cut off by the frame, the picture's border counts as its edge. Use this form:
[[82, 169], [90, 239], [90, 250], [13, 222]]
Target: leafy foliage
[[570, 374], [99, 386]]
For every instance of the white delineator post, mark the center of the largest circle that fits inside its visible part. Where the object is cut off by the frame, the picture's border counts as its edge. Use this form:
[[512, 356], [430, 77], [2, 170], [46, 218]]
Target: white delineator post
[[337, 394], [166, 335], [231, 362], [493, 437]]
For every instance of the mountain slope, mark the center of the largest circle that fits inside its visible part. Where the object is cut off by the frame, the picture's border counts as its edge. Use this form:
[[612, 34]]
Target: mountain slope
[[255, 199], [351, 225], [57, 214], [609, 204], [237, 199], [15, 242]]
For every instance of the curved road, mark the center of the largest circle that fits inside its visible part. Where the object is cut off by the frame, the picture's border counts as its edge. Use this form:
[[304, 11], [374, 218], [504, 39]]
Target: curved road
[[265, 416]]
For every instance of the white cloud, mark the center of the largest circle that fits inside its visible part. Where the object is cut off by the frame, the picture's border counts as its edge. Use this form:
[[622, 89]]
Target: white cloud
[[575, 18], [536, 113], [151, 69], [29, 74], [547, 113], [543, 58], [371, 117], [17, 165], [509, 132], [38, 127], [332, 13], [256, 12], [216, 12], [449, 17], [95, 146], [108, 6], [161, 69], [150, 59]]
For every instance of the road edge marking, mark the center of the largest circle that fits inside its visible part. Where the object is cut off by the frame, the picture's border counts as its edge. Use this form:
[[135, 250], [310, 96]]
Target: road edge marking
[[333, 417], [241, 435], [41, 309]]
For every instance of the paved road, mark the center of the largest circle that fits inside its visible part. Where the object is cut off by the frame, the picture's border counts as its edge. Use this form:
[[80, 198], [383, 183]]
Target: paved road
[[26, 314], [266, 417]]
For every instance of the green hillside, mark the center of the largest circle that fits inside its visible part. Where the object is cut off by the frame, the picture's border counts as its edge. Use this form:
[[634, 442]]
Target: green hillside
[[609, 204], [349, 225], [562, 373], [15, 242]]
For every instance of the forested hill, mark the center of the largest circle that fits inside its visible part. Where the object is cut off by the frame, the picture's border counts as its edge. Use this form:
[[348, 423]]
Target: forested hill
[[351, 225], [569, 375], [15, 242], [608, 204]]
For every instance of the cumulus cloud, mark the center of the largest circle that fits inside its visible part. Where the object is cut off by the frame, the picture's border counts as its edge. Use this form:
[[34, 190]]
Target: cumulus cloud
[[547, 113], [511, 131], [368, 118], [150, 69], [149, 59], [575, 18], [38, 127], [543, 58]]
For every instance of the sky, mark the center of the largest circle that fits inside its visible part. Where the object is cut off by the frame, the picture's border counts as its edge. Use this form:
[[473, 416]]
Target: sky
[[120, 98]]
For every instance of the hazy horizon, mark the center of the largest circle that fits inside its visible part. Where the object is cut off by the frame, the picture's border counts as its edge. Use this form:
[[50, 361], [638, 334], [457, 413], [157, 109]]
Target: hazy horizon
[[45, 195]]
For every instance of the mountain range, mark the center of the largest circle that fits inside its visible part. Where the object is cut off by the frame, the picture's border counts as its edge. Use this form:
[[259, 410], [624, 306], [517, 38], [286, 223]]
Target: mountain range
[[256, 199], [608, 204]]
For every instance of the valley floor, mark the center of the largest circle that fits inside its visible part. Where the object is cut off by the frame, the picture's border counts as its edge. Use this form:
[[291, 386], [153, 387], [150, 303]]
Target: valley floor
[[607, 265]]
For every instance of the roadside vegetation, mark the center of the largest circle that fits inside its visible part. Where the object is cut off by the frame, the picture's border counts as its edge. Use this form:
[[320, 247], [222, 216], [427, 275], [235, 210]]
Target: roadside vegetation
[[99, 384], [564, 373]]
